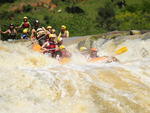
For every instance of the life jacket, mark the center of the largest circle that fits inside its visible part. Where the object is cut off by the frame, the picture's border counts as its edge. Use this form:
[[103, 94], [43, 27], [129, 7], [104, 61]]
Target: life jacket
[[64, 34], [51, 46], [26, 25], [93, 55], [40, 32]]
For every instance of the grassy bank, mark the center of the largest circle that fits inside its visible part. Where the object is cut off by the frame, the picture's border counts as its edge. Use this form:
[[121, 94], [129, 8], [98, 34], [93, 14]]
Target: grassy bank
[[94, 16]]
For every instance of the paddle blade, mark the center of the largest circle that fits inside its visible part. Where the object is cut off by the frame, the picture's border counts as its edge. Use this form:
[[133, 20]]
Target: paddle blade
[[36, 47], [121, 50]]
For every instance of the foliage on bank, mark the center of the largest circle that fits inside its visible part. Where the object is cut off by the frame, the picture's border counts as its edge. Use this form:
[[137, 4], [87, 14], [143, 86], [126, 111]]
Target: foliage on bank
[[83, 17]]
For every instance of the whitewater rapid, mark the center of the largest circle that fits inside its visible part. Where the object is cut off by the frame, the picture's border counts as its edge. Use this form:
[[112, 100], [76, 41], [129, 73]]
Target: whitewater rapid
[[31, 82]]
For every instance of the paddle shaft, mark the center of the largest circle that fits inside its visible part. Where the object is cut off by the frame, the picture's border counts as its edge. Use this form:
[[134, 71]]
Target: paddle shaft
[[37, 40]]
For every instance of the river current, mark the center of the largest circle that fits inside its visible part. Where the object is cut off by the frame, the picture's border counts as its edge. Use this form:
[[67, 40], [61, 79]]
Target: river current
[[31, 82]]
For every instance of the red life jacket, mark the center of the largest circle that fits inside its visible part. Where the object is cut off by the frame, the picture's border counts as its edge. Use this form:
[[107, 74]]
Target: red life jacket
[[51, 46], [26, 25]]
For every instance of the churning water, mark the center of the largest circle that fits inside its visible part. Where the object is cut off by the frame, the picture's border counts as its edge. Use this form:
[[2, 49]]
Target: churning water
[[31, 82]]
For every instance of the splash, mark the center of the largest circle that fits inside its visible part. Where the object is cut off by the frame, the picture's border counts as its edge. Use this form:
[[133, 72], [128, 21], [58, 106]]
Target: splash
[[31, 82]]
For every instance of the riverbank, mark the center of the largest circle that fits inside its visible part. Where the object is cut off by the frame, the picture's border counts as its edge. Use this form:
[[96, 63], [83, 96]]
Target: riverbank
[[85, 17]]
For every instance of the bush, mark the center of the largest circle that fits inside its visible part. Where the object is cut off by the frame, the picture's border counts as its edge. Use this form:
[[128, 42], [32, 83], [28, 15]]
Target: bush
[[57, 2], [27, 8], [145, 6], [121, 3], [106, 16], [9, 1], [77, 24], [7, 15], [47, 19], [81, 25], [74, 9], [129, 20], [132, 8]]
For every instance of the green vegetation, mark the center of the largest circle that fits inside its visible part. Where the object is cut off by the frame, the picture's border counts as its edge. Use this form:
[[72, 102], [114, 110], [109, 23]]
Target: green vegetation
[[83, 18]]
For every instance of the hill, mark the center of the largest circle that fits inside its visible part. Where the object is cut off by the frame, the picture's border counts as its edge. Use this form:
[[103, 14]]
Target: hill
[[83, 17]]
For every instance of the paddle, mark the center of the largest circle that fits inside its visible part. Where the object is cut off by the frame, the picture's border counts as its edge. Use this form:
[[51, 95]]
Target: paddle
[[40, 37], [37, 47], [118, 52], [121, 50]]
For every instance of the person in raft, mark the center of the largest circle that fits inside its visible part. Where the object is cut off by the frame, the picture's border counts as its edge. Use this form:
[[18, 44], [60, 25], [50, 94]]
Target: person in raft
[[11, 31], [62, 52], [93, 55], [64, 33], [50, 45]]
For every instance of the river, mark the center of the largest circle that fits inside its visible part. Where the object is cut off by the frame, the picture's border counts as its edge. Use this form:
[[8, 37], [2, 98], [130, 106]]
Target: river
[[31, 82]]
